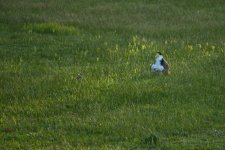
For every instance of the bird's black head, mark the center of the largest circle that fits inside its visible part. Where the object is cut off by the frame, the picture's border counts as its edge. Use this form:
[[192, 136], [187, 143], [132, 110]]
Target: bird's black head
[[159, 53]]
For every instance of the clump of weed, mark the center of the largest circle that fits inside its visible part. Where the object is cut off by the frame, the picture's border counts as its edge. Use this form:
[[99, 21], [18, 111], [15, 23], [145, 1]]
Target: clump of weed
[[50, 27], [151, 140]]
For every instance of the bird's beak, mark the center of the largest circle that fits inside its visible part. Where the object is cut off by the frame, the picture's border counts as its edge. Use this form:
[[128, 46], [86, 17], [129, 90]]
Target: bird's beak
[[157, 55]]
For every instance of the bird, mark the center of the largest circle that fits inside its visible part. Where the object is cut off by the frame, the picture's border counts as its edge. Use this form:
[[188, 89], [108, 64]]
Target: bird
[[160, 64]]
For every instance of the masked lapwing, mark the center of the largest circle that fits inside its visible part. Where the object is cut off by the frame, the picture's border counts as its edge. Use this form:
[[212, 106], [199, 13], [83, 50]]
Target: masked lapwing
[[160, 64]]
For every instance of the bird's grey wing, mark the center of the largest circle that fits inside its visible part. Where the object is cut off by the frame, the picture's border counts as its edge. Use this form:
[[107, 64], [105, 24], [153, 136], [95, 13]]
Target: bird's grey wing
[[164, 64]]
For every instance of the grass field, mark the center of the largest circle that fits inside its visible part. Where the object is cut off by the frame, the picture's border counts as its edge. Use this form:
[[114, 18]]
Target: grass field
[[75, 74]]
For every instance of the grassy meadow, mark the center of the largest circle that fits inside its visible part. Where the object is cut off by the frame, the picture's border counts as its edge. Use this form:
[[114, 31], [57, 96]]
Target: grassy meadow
[[74, 74]]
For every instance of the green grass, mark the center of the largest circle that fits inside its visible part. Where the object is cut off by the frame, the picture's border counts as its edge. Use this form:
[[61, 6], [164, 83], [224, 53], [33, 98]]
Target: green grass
[[50, 27], [118, 103]]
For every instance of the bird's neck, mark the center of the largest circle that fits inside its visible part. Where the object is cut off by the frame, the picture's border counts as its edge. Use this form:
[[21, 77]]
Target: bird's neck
[[159, 58]]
